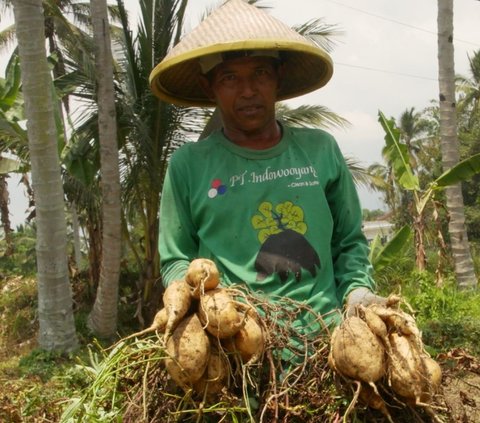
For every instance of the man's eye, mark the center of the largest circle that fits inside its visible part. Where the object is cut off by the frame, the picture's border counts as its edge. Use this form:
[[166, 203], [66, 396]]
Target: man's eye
[[229, 77], [261, 72]]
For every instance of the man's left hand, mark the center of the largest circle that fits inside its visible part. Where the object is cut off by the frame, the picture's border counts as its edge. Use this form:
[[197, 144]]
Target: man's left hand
[[364, 297]]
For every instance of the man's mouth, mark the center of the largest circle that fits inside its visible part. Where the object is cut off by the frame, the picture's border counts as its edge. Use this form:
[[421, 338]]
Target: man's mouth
[[250, 109]]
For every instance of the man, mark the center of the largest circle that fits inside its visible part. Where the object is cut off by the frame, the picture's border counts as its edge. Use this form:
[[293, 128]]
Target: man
[[275, 207]]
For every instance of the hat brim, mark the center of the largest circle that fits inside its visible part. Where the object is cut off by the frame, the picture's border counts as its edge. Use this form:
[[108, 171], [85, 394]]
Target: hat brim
[[306, 68]]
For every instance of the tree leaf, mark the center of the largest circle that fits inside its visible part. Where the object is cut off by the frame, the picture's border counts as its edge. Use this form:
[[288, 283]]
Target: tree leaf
[[389, 253], [9, 165], [398, 155], [461, 172]]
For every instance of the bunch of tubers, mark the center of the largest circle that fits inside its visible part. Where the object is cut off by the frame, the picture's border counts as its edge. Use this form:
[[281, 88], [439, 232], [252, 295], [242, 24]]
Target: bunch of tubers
[[382, 346], [203, 327]]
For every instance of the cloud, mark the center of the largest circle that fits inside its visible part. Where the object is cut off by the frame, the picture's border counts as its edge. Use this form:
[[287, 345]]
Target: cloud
[[386, 60]]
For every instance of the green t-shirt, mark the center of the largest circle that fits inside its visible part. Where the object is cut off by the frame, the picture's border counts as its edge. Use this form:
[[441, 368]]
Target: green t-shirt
[[286, 221]]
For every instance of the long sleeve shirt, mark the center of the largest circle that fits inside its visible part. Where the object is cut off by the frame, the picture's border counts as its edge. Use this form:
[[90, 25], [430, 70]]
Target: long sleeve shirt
[[285, 221]]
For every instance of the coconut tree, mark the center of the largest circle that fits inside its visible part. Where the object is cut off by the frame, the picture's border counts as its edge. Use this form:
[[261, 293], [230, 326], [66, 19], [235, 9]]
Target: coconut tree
[[103, 318], [147, 129], [464, 268], [57, 328], [469, 88]]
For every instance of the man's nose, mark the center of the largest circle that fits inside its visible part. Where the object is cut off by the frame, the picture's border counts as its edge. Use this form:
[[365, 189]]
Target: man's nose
[[248, 86]]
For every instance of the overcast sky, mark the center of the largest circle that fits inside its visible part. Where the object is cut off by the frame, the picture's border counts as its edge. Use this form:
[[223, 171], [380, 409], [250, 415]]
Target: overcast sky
[[385, 60]]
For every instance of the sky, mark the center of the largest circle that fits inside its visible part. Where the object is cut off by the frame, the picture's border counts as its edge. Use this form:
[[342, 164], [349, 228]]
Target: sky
[[386, 59]]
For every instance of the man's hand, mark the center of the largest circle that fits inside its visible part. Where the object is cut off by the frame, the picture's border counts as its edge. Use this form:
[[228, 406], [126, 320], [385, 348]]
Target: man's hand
[[364, 297]]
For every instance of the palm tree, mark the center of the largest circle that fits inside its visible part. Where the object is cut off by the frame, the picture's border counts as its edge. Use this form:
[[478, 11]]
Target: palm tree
[[464, 269], [66, 29], [469, 88], [384, 182], [148, 130], [469, 134], [57, 328], [103, 318]]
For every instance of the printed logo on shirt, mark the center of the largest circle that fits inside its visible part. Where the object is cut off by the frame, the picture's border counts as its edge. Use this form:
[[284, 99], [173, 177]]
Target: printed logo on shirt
[[284, 249], [217, 188], [301, 175], [297, 177]]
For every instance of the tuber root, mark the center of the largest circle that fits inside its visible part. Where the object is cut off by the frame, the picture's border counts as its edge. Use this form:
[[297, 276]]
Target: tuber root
[[218, 313], [176, 301], [202, 275], [188, 352]]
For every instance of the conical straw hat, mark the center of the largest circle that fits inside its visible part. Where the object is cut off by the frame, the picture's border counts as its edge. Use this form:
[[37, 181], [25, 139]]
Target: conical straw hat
[[236, 25]]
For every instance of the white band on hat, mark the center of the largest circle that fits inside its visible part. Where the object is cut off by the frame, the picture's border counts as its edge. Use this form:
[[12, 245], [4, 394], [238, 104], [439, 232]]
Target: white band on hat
[[208, 62]]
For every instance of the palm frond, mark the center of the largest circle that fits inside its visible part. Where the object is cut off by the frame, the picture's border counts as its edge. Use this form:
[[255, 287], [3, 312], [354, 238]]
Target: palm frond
[[320, 33], [312, 116], [361, 175]]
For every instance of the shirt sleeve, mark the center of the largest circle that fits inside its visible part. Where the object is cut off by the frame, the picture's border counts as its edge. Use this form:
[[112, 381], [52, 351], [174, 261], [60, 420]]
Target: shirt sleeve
[[178, 241], [352, 268]]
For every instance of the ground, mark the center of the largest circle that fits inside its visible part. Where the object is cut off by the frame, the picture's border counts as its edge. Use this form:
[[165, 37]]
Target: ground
[[461, 386], [30, 394]]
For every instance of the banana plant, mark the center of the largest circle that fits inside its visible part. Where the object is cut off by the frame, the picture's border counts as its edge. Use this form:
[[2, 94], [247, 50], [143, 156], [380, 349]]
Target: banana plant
[[383, 255], [405, 177], [12, 133]]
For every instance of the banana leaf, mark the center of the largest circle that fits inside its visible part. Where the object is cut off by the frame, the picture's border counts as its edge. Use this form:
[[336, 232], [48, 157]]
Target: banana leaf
[[383, 257]]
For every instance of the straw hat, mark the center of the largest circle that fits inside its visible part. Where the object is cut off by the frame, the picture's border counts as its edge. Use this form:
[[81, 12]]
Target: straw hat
[[236, 25]]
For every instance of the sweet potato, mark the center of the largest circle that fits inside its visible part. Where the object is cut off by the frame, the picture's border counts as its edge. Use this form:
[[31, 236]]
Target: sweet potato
[[216, 376], [159, 324], [356, 352], [202, 275], [373, 399], [407, 371], [188, 352], [176, 301], [434, 373], [396, 319], [218, 313], [249, 340], [374, 322]]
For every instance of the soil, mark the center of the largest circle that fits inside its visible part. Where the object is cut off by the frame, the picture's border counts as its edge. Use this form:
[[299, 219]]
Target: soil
[[461, 386]]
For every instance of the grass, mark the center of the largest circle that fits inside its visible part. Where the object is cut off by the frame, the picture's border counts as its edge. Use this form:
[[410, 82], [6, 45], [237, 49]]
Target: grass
[[38, 385]]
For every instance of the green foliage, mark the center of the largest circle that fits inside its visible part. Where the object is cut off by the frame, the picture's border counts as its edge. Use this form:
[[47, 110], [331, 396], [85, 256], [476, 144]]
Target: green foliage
[[384, 256], [444, 335], [372, 214], [397, 153], [43, 364], [472, 220], [18, 304], [462, 171], [23, 260], [391, 278], [448, 317]]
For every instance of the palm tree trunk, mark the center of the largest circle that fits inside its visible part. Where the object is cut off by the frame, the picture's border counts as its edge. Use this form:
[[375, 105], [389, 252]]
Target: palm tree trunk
[[464, 269], [57, 327], [103, 318], [76, 235], [5, 215]]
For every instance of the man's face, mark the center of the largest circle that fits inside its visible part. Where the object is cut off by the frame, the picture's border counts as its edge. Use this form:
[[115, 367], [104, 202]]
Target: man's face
[[245, 90]]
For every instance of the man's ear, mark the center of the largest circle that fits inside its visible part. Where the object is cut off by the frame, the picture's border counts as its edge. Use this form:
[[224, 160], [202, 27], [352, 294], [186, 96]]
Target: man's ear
[[205, 86]]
